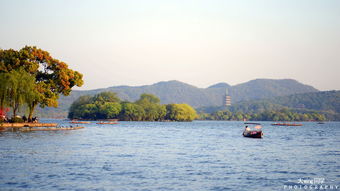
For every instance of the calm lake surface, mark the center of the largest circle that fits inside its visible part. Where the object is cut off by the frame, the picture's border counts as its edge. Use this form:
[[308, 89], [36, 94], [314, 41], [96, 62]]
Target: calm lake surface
[[201, 155]]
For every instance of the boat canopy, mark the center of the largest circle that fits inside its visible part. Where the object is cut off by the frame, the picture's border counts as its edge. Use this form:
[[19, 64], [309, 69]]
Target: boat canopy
[[253, 126]]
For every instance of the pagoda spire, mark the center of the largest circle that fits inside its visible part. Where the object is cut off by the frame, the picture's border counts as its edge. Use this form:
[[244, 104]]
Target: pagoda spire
[[227, 98]]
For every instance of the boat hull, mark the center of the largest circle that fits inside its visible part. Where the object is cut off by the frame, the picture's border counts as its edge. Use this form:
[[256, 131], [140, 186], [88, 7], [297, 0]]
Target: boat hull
[[80, 122], [107, 123], [286, 124], [253, 134]]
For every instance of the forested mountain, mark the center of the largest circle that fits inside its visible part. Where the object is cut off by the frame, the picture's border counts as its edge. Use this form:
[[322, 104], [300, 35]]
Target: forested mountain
[[320, 101], [325, 102], [265, 88], [179, 92]]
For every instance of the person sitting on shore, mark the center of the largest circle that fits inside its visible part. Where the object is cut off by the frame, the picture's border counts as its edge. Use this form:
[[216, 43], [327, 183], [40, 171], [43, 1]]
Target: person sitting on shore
[[24, 118], [34, 120]]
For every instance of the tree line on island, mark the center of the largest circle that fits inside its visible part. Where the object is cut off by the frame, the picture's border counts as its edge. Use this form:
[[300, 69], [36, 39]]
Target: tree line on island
[[30, 77], [263, 110], [107, 105], [267, 115]]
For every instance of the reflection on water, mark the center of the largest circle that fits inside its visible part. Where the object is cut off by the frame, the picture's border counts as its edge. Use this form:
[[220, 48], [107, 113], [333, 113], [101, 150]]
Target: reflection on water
[[202, 155]]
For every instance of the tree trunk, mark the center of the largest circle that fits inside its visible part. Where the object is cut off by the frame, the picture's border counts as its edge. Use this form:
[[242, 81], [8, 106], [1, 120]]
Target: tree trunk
[[31, 108], [15, 108], [2, 103]]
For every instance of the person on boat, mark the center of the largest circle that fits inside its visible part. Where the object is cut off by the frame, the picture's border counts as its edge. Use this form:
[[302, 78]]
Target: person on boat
[[247, 128]]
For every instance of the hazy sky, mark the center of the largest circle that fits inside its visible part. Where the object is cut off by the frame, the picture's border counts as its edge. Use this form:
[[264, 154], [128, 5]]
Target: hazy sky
[[198, 42]]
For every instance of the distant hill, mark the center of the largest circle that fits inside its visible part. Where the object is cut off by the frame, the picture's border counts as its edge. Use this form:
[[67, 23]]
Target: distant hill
[[322, 101], [266, 88], [220, 85], [179, 92]]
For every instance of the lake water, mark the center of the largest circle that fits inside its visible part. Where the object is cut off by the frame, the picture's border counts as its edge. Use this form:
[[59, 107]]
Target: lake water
[[201, 155]]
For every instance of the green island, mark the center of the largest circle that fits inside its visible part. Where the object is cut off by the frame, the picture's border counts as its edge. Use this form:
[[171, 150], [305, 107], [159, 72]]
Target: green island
[[107, 105], [267, 115]]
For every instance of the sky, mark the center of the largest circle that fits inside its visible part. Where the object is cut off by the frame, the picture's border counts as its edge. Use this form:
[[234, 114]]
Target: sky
[[194, 41]]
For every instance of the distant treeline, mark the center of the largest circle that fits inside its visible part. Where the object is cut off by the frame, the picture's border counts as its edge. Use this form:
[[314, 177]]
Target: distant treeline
[[268, 115], [107, 105], [299, 107]]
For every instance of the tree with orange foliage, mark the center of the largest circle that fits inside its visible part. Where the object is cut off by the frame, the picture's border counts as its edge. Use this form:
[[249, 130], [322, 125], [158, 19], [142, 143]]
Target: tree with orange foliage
[[52, 77]]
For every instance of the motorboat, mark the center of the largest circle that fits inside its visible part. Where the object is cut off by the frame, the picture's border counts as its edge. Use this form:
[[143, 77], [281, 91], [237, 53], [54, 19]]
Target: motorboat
[[253, 131]]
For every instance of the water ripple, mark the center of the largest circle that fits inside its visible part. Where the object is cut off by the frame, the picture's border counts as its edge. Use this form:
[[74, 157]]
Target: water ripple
[[203, 155]]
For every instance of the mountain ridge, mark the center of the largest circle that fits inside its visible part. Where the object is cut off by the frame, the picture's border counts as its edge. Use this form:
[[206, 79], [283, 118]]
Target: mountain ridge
[[174, 91], [325, 102]]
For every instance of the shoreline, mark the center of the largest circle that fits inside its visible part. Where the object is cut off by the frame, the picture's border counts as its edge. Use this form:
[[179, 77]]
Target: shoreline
[[19, 125]]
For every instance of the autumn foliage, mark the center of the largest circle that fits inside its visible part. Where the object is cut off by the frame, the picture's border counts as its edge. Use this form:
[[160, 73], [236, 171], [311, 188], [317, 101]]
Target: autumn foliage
[[33, 77]]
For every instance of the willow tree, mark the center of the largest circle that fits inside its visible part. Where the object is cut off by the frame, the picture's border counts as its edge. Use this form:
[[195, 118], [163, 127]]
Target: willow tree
[[105, 105], [9, 59], [4, 85], [154, 111], [180, 112], [52, 77], [131, 112], [20, 87]]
